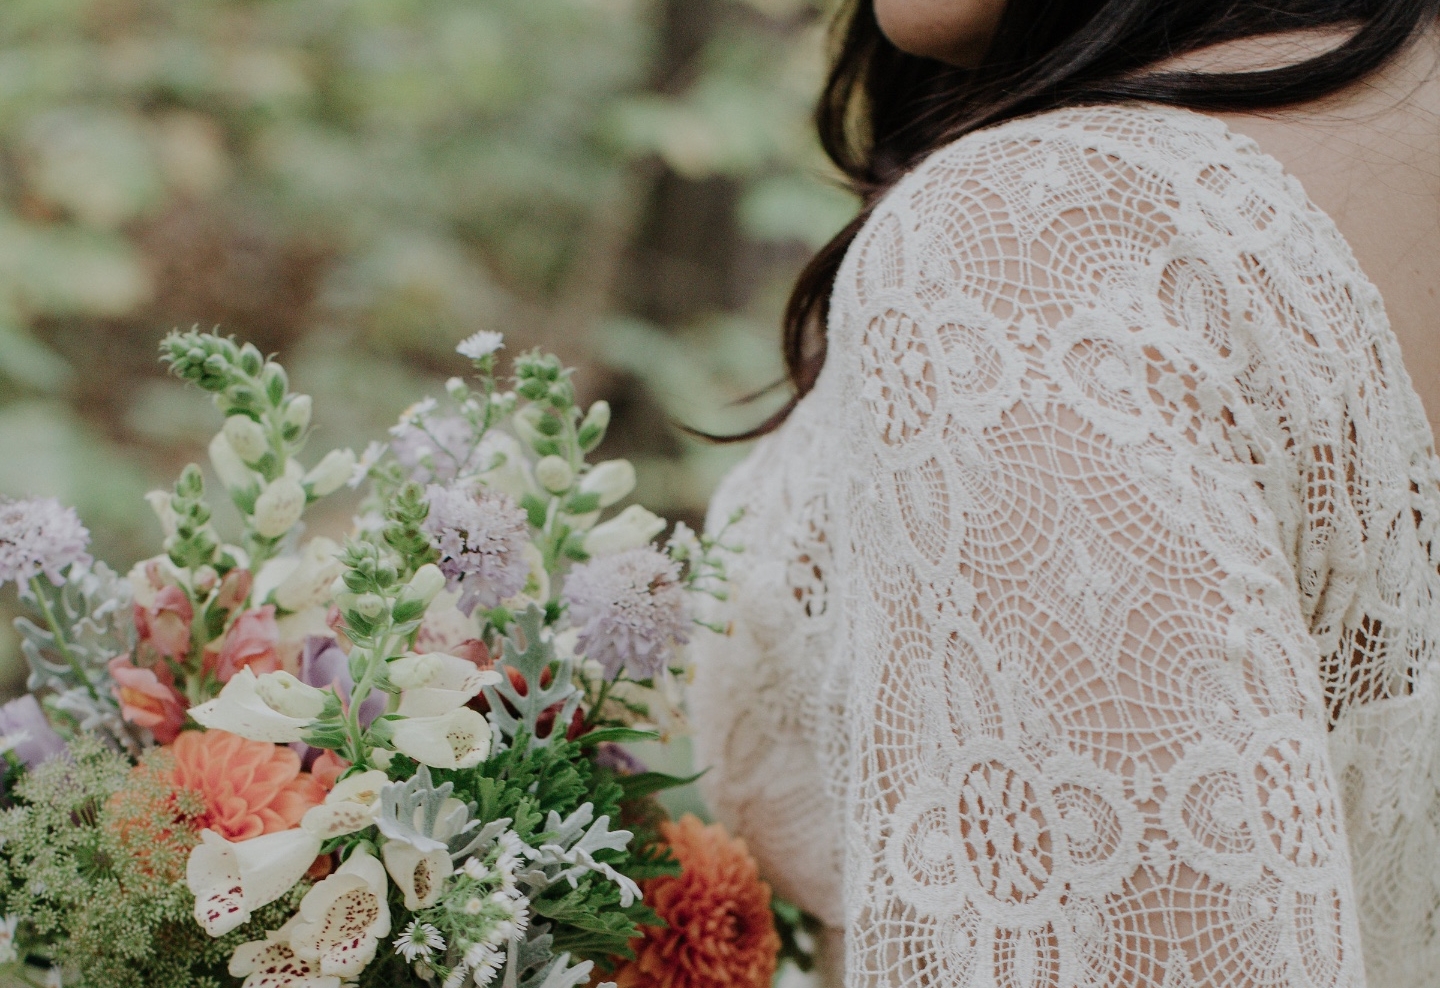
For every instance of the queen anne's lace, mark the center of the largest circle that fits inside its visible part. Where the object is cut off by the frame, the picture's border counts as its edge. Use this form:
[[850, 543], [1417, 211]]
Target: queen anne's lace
[[1087, 624]]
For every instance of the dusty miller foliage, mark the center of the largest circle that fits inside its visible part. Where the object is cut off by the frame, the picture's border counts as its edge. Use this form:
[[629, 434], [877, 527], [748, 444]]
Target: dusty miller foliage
[[530, 654]]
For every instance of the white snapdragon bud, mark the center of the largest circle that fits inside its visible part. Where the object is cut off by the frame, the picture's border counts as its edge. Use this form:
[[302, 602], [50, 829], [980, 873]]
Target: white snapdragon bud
[[612, 480], [554, 474], [630, 528], [297, 413], [247, 437], [231, 470], [279, 507], [427, 582], [598, 417], [335, 469]]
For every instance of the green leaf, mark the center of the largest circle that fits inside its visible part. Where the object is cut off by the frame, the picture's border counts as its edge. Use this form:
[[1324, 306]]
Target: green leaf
[[649, 783], [618, 734]]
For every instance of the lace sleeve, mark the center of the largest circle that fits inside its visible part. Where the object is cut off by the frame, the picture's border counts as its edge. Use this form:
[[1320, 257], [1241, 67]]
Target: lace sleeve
[[1087, 731]]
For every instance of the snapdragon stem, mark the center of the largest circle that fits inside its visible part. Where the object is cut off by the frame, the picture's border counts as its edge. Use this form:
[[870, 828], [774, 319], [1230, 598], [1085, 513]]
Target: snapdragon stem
[[60, 642]]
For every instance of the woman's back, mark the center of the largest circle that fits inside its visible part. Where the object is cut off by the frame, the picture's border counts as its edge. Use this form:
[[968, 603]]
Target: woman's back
[[1090, 596]]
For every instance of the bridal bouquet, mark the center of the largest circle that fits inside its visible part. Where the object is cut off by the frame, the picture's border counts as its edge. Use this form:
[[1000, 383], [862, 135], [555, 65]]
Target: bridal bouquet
[[276, 761]]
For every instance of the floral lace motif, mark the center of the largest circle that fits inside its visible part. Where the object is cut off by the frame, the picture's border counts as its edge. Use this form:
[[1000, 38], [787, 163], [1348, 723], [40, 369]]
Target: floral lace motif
[[1087, 624]]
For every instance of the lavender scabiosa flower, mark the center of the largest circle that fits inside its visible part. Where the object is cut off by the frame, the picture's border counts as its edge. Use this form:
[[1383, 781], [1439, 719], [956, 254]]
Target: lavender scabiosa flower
[[631, 609], [37, 535], [481, 535]]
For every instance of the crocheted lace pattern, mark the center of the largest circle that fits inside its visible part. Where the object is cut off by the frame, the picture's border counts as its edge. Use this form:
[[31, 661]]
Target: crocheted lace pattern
[[1086, 628]]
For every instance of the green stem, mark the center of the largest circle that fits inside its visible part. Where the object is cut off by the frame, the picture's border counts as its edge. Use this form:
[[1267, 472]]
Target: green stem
[[594, 717], [60, 641]]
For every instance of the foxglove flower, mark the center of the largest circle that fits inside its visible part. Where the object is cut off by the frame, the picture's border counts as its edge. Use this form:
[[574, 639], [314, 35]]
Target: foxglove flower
[[275, 707], [481, 535], [631, 609], [231, 880], [436, 683], [459, 739], [352, 805], [271, 963], [343, 918], [39, 536], [419, 875]]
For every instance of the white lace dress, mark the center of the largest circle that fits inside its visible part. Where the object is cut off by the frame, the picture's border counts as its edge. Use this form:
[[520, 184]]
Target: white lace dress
[[1086, 628]]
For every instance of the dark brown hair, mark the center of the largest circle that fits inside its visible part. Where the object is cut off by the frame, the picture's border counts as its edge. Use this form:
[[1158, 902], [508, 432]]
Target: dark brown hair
[[882, 110]]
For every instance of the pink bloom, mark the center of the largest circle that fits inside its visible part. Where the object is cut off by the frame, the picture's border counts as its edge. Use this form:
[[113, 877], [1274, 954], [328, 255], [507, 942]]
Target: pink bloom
[[148, 698], [165, 624], [253, 640]]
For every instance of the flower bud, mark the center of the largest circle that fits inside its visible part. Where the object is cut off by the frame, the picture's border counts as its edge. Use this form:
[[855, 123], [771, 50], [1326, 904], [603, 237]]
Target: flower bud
[[247, 437], [592, 429], [612, 480], [308, 581], [554, 474], [279, 507], [427, 582], [630, 528], [297, 411], [232, 471], [205, 579], [370, 605], [411, 672], [456, 389], [331, 472], [159, 502]]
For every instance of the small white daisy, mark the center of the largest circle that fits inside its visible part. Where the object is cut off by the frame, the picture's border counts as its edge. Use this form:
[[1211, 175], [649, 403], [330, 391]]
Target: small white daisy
[[480, 345], [419, 940], [367, 462]]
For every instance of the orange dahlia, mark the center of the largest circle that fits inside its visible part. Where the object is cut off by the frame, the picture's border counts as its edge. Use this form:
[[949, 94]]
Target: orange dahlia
[[249, 787], [721, 933]]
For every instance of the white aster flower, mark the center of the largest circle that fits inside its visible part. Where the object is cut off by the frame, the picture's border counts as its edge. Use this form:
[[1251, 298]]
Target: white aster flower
[[419, 940], [232, 880], [412, 416], [344, 917], [484, 961], [481, 345]]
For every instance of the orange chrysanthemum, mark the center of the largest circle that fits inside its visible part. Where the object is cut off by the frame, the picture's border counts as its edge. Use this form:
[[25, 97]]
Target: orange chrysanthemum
[[721, 932], [249, 787]]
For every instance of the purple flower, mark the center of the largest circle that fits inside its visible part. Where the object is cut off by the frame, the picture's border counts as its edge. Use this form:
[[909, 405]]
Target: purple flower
[[482, 536], [38, 535], [436, 450], [610, 755], [631, 610], [40, 743], [324, 665]]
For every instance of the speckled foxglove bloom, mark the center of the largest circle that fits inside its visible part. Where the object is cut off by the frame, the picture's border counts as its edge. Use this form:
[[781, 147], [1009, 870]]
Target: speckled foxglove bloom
[[271, 963], [436, 683], [344, 917], [39, 536], [631, 609], [352, 805], [275, 707], [458, 739], [481, 535], [232, 879]]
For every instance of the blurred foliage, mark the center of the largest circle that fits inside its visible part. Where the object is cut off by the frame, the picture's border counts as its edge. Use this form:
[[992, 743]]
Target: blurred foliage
[[358, 184]]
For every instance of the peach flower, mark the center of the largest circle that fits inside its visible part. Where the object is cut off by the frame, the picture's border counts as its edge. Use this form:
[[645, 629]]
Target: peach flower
[[249, 787], [721, 933], [326, 769], [148, 697], [165, 624], [253, 640]]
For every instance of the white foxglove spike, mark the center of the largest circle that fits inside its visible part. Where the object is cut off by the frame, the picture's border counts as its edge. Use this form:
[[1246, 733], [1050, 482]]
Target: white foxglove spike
[[343, 918], [420, 875], [458, 739]]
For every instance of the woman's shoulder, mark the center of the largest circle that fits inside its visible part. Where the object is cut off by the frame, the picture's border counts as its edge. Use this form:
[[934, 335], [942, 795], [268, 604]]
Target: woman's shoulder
[[1078, 155]]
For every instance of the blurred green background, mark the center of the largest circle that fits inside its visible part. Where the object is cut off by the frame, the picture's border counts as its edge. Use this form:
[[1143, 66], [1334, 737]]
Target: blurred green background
[[356, 185]]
